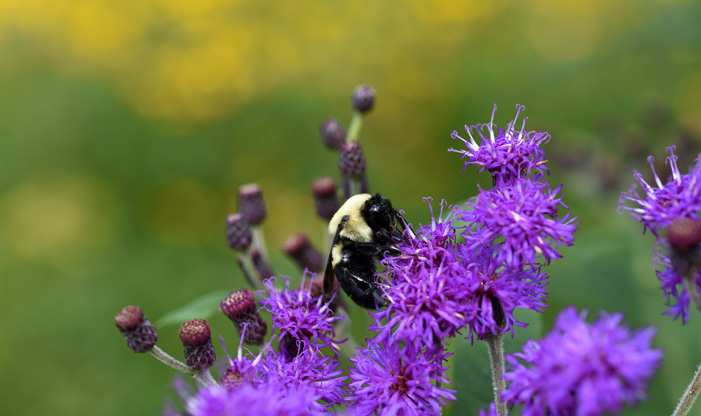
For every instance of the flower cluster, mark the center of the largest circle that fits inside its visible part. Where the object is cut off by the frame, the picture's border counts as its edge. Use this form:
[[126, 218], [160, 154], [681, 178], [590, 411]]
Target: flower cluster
[[582, 369], [671, 211], [464, 273], [472, 266]]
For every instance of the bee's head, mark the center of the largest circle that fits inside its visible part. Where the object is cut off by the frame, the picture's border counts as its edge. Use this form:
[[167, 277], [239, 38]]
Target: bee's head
[[382, 218]]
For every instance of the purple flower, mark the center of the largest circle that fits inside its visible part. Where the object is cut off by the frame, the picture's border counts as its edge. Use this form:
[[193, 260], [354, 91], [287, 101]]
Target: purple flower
[[679, 197], [389, 380], [248, 400], [672, 283], [424, 296], [523, 217], [304, 321], [492, 291], [507, 154], [582, 369], [309, 370]]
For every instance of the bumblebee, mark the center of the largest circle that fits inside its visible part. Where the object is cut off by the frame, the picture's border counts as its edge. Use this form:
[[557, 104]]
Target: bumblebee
[[365, 228]]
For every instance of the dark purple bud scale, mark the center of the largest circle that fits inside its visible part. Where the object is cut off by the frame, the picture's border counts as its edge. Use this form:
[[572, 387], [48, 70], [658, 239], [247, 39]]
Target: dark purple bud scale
[[196, 338], [325, 197], [351, 160], [238, 232], [307, 257], [255, 330], [333, 135], [363, 99], [140, 335], [251, 204]]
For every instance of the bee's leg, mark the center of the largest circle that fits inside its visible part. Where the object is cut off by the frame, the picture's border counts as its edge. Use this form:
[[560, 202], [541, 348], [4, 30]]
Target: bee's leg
[[359, 289]]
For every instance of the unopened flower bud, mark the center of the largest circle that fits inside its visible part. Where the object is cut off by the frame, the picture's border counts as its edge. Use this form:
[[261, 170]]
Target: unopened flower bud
[[238, 304], [238, 232], [196, 338], [325, 197], [307, 257], [263, 268], [240, 307], [351, 160], [684, 233], [251, 204], [363, 98], [140, 335], [333, 135]]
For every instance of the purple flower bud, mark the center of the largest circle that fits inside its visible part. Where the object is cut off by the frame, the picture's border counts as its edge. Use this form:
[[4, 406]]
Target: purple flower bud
[[238, 232], [251, 204], [325, 197], [363, 99], [240, 307], [684, 233], [307, 257], [351, 160], [140, 335], [333, 135], [196, 338]]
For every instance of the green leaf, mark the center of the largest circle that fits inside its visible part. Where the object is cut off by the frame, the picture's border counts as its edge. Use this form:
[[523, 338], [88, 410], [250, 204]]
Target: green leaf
[[202, 307]]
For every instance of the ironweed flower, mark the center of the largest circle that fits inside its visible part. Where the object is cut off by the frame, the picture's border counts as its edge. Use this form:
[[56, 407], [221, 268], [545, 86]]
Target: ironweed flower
[[301, 318], [582, 369], [508, 153], [389, 380], [679, 197], [522, 217], [672, 282], [424, 294], [249, 400], [309, 370], [492, 290]]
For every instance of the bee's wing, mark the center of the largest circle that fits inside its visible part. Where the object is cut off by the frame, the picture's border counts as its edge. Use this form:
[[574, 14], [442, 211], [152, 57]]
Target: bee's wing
[[329, 275]]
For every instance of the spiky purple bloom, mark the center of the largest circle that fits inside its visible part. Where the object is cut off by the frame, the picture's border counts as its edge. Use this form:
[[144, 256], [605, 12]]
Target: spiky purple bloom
[[425, 294], [523, 217], [582, 369], [679, 197], [309, 370], [672, 283], [302, 319], [389, 380], [249, 400], [493, 290], [508, 153]]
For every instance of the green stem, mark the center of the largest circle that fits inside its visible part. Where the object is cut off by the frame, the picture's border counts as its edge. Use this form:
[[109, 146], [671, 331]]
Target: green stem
[[689, 397], [259, 242], [354, 127], [496, 358]]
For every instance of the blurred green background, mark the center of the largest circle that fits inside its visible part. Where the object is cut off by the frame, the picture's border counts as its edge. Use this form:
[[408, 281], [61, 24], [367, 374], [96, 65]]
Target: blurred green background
[[127, 127]]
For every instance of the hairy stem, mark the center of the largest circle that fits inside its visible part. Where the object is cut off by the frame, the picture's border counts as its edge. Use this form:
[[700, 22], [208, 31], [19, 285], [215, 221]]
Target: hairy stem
[[689, 397], [496, 358]]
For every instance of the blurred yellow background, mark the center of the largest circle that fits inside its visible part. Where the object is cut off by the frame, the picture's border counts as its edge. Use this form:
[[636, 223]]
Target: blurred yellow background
[[126, 128]]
